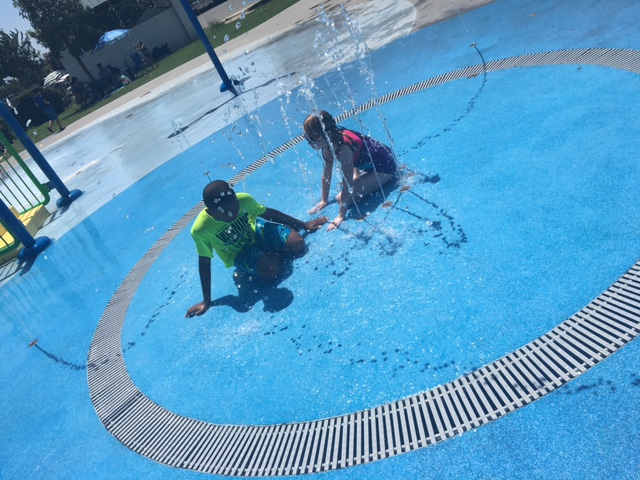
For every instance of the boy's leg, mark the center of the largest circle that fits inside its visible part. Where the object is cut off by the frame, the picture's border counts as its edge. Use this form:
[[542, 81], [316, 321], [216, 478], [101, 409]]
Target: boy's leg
[[257, 263], [269, 266], [264, 259], [279, 239], [295, 244], [261, 260]]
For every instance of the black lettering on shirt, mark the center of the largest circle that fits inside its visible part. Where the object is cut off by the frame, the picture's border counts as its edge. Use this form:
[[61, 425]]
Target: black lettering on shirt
[[237, 233]]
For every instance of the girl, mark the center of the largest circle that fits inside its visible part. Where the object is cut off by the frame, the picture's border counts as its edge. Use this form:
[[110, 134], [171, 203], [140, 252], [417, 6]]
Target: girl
[[366, 163]]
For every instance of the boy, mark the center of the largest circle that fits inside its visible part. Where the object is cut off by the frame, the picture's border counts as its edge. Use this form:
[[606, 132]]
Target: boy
[[230, 227]]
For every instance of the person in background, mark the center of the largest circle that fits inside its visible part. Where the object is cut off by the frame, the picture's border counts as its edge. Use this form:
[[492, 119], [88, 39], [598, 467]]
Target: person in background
[[79, 91], [105, 79], [48, 110], [145, 54]]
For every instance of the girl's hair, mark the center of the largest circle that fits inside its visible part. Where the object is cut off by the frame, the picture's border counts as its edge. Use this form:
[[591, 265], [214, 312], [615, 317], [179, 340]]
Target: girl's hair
[[322, 123]]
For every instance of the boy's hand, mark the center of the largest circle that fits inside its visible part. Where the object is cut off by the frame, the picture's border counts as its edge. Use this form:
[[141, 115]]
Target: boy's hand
[[317, 208], [315, 224], [198, 309]]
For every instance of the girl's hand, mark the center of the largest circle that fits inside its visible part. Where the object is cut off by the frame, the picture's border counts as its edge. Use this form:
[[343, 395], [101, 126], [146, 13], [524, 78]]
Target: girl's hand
[[336, 223], [317, 208]]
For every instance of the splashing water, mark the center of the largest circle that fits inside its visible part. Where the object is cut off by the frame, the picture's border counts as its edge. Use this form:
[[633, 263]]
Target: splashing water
[[334, 49], [364, 60], [366, 71], [178, 132], [284, 98], [227, 120]]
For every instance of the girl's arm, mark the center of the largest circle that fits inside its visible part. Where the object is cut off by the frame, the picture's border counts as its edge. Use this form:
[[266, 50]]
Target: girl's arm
[[345, 157], [327, 171], [325, 186]]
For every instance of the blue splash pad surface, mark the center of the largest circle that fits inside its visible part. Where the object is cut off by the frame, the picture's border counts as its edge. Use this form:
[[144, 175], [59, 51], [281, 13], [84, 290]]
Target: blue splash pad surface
[[511, 224], [588, 429]]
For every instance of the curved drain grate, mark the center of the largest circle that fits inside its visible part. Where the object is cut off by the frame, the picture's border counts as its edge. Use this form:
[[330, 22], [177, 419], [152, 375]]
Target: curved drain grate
[[521, 377]]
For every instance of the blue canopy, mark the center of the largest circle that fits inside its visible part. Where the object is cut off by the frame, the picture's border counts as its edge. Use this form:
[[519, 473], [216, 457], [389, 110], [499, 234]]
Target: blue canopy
[[110, 37]]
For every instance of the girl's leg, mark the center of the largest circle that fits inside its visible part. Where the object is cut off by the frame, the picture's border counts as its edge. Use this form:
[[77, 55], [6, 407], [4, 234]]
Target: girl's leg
[[367, 183]]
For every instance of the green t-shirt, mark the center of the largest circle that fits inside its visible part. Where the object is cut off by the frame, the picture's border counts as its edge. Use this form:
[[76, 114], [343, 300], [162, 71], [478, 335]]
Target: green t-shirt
[[227, 239]]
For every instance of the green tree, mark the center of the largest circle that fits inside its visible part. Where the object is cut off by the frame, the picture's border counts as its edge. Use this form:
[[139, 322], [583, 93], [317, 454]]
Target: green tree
[[20, 64], [113, 14], [60, 25], [52, 62]]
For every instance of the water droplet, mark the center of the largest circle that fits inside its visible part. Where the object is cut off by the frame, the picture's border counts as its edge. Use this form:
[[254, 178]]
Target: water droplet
[[226, 38], [230, 8], [238, 26]]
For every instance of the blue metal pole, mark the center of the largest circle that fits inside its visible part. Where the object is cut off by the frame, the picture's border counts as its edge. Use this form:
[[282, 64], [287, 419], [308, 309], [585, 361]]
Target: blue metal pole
[[208, 47], [31, 246], [66, 196]]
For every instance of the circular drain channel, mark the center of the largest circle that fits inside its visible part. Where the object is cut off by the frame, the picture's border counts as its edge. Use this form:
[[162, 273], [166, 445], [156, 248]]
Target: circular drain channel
[[517, 379]]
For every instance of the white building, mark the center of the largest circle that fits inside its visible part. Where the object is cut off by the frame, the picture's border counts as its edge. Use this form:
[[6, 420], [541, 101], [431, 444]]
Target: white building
[[164, 24]]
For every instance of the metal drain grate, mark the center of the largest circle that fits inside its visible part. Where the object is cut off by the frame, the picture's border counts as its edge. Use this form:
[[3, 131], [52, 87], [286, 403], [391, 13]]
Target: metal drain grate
[[521, 377]]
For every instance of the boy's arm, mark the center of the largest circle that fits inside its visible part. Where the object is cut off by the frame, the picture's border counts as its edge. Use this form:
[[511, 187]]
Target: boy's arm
[[276, 216], [204, 270]]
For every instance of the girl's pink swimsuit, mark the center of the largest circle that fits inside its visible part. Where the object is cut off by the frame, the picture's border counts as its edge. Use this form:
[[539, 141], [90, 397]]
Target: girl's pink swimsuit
[[369, 154]]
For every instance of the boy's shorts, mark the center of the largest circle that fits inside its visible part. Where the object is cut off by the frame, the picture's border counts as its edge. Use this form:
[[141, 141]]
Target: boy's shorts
[[270, 237]]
